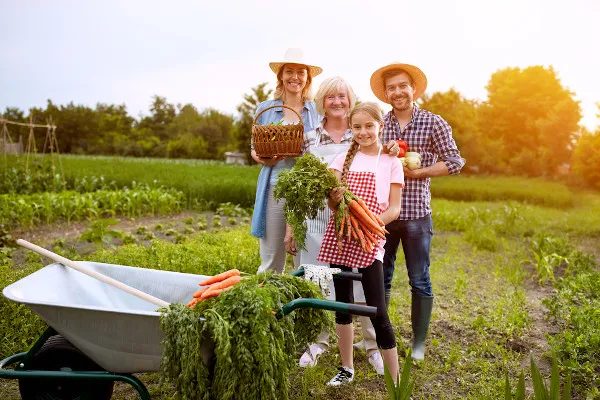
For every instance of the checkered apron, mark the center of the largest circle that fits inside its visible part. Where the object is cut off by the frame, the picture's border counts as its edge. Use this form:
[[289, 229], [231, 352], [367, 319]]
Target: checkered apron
[[361, 184]]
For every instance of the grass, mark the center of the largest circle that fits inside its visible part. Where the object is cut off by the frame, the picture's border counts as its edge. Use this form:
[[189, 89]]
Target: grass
[[485, 321]]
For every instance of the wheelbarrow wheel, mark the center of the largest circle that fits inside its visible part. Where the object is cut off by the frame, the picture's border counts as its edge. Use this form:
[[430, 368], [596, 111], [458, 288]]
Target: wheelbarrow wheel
[[58, 354]]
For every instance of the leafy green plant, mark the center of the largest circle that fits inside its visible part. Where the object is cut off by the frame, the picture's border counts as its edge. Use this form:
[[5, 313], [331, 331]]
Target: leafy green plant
[[44, 208], [231, 210], [254, 351], [99, 231], [404, 387], [304, 187], [541, 391], [549, 254]]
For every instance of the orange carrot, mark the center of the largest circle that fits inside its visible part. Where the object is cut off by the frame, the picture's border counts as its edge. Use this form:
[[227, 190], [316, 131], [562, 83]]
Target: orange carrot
[[354, 234], [220, 277], [363, 217], [342, 225], [199, 292], [349, 227], [371, 214], [193, 302], [211, 293], [232, 280]]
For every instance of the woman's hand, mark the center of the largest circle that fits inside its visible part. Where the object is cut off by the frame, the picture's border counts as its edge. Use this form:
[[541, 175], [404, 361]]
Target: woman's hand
[[269, 162], [289, 242], [337, 194]]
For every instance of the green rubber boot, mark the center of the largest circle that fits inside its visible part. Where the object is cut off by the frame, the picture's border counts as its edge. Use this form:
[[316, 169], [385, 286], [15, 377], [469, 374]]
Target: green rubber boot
[[420, 316]]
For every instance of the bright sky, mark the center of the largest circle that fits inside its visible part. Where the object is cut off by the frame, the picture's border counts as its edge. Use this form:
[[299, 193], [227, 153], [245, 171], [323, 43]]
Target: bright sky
[[209, 53]]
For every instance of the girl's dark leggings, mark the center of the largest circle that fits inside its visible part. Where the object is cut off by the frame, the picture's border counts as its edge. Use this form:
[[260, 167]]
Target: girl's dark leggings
[[372, 282]]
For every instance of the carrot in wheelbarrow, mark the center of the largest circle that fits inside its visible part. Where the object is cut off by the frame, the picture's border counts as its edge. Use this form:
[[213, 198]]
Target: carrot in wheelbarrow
[[199, 292], [220, 277], [221, 285], [214, 293]]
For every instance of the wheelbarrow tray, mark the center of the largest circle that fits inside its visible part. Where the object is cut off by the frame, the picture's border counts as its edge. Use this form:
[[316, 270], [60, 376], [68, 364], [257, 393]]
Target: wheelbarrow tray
[[119, 331]]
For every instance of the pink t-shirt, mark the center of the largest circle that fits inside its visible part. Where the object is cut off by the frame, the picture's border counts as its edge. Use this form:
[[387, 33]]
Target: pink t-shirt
[[388, 171]]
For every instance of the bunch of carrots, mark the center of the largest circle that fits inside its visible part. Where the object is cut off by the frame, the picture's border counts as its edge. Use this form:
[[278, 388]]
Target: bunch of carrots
[[354, 221], [215, 285]]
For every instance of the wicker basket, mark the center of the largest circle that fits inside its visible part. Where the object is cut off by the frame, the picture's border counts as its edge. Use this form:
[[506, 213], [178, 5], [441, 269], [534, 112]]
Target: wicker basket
[[278, 140]]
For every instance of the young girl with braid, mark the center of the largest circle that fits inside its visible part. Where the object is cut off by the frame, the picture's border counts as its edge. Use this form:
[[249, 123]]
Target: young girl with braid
[[378, 181]]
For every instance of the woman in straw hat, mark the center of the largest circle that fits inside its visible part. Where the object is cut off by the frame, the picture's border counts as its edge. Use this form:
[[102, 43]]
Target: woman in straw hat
[[294, 78]]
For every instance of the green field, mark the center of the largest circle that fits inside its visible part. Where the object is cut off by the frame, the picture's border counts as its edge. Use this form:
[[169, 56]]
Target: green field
[[514, 270]]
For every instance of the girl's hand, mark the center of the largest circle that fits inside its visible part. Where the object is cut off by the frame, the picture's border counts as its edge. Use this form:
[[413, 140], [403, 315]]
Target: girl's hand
[[337, 194]]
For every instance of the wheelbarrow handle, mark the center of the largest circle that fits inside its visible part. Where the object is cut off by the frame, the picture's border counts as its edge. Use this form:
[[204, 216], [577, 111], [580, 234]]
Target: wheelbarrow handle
[[330, 305], [96, 275], [355, 276]]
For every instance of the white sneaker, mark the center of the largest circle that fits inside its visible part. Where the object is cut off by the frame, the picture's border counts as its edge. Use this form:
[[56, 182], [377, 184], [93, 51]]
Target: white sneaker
[[377, 362], [311, 355], [344, 376]]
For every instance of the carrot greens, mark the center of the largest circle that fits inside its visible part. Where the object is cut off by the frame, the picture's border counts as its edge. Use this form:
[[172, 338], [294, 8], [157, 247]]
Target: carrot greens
[[304, 187], [253, 351]]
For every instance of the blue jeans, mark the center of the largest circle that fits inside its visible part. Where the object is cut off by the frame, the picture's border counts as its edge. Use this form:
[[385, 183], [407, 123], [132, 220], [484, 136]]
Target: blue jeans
[[415, 236]]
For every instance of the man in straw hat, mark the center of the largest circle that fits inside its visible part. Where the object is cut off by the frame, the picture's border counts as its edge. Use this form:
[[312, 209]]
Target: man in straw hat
[[429, 135]]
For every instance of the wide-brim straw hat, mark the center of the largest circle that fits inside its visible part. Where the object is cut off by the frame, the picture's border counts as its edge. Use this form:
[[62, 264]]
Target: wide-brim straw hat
[[418, 77], [295, 56]]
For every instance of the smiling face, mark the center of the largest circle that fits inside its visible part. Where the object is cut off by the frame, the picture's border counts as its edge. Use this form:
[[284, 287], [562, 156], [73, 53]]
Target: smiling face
[[365, 130], [336, 103], [399, 91], [294, 78]]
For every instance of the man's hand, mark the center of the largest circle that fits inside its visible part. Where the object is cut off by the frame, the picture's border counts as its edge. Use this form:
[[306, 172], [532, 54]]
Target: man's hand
[[392, 148], [414, 173]]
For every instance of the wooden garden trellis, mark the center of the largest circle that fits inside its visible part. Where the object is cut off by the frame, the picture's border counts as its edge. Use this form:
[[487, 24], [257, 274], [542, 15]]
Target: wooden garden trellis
[[50, 141]]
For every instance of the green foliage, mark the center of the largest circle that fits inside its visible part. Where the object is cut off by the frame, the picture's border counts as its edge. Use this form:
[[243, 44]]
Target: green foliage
[[19, 326], [305, 188], [44, 208], [549, 254], [206, 184], [575, 308], [533, 117], [254, 351], [404, 387], [502, 188], [168, 131], [203, 253], [99, 231], [463, 116], [231, 210], [540, 390], [40, 175], [586, 159]]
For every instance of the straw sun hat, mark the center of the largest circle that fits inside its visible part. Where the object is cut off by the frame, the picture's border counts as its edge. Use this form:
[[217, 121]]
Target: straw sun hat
[[418, 77], [294, 56]]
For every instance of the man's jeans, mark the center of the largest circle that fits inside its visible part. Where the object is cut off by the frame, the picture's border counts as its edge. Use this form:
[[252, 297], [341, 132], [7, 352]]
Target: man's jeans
[[416, 237]]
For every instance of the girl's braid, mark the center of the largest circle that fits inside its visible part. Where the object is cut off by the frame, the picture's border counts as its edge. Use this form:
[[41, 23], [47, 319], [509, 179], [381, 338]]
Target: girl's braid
[[348, 161]]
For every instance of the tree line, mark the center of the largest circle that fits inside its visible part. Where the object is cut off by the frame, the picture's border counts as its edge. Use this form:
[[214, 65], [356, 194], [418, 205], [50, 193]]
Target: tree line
[[528, 125]]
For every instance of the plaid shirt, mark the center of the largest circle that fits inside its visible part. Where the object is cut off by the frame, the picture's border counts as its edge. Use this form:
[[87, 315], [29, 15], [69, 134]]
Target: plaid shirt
[[310, 138], [429, 135]]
